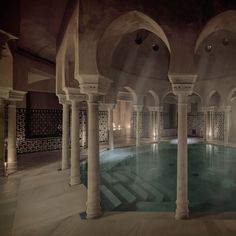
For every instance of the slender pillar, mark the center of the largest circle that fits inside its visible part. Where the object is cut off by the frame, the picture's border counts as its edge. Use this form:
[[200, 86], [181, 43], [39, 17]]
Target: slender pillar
[[2, 148], [65, 137], [75, 145], [150, 125], [205, 129], [158, 131], [138, 109], [11, 138], [182, 160], [182, 91], [227, 125], [110, 125], [211, 126], [84, 129], [93, 192]]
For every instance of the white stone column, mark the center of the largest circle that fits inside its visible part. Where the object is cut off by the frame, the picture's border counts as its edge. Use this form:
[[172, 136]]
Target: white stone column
[[150, 125], [93, 193], [138, 109], [11, 139], [211, 126], [65, 136], [205, 129], [182, 91], [158, 131], [227, 125], [75, 144], [2, 136], [110, 108], [93, 86]]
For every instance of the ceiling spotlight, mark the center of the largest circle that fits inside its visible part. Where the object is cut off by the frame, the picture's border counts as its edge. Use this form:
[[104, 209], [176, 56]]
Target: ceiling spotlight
[[138, 40], [208, 48], [141, 35], [155, 47], [225, 42]]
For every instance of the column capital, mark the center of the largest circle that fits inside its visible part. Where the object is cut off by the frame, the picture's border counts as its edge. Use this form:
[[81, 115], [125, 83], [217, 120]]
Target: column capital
[[110, 106], [94, 84], [212, 108], [138, 108], [227, 108], [154, 108], [62, 99], [182, 89], [182, 78], [73, 94], [11, 94]]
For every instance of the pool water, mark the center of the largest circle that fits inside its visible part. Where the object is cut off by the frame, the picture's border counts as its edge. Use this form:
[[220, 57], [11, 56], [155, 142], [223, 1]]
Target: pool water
[[144, 178]]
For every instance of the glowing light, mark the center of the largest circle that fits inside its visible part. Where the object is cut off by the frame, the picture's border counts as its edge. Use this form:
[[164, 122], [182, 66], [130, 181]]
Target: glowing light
[[128, 126], [189, 141], [119, 128]]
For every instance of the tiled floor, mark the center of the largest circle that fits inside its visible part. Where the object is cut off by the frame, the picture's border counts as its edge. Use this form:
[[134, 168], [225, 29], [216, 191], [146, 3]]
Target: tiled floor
[[38, 201]]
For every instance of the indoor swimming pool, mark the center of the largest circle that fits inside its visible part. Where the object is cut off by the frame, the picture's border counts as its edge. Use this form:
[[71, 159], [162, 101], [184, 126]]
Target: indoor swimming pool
[[144, 178]]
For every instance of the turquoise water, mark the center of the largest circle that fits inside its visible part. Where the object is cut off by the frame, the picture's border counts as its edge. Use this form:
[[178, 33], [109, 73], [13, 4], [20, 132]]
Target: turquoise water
[[144, 178]]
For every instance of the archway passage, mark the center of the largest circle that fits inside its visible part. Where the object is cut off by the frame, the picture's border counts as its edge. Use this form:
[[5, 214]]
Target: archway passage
[[169, 116], [196, 122]]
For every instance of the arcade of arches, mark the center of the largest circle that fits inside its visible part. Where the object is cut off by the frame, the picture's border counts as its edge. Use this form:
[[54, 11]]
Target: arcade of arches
[[76, 76]]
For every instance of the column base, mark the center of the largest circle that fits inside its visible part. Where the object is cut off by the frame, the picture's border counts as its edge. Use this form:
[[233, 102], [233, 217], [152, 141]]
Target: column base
[[182, 212], [2, 172], [65, 167], [11, 167], [74, 181], [94, 211]]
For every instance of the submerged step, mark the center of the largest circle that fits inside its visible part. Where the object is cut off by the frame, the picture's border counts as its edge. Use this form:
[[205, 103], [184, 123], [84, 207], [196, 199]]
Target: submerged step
[[159, 196], [129, 197], [120, 177], [156, 193], [109, 179], [139, 191], [110, 196]]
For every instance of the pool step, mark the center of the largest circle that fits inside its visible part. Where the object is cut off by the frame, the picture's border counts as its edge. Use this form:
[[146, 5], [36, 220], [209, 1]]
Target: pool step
[[124, 193], [108, 178], [120, 177], [110, 196], [156, 193], [159, 196], [140, 192]]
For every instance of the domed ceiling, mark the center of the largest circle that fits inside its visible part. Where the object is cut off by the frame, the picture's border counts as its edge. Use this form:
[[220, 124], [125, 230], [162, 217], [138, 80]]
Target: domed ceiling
[[216, 56], [143, 54]]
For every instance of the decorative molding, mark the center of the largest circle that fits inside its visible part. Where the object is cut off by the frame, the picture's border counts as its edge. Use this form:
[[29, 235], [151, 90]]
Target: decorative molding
[[154, 108], [110, 106], [138, 108], [73, 94], [62, 99], [182, 78], [94, 84], [11, 95], [16, 95], [179, 89]]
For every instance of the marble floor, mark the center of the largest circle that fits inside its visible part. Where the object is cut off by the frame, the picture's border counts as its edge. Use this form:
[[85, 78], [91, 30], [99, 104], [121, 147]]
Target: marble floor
[[37, 200]]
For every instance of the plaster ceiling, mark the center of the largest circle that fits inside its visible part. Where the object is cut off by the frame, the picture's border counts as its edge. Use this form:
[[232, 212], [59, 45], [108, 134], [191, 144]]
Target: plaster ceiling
[[39, 26], [219, 61]]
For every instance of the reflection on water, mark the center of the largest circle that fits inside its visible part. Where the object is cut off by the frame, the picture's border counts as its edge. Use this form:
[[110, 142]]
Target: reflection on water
[[144, 178]]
